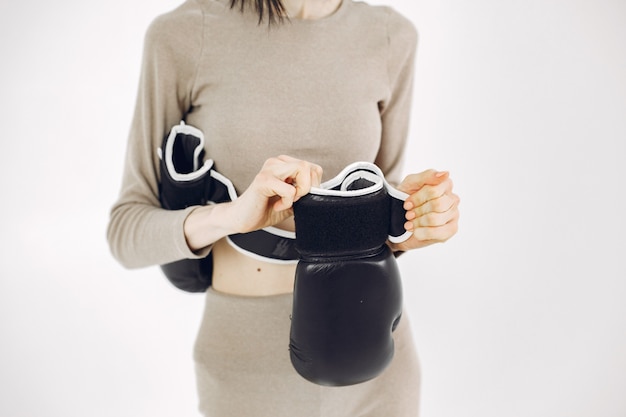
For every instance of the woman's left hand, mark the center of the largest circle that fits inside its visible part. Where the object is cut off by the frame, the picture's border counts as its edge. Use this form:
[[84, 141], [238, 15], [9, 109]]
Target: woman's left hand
[[432, 209]]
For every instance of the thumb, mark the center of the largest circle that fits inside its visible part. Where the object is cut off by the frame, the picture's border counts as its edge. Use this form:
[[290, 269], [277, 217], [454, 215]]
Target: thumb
[[413, 182]]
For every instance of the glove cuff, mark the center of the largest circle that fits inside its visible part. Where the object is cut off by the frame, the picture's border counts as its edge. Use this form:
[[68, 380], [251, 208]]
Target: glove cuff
[[187, 180], [355, 212]]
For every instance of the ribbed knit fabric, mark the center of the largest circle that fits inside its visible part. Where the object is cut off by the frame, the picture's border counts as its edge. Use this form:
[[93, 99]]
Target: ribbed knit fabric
[[331, 91], [243, 369]]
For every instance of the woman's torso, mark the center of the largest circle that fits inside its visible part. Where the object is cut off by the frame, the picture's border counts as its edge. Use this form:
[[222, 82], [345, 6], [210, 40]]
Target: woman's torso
[[309, 89]]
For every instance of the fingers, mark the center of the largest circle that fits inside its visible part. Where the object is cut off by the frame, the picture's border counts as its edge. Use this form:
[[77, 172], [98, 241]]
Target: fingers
[[414, 182], [442, 204], [302, 175], [288, 179], [427, 193], [432, 218], [427, 235], [432, 212], [436, 234]]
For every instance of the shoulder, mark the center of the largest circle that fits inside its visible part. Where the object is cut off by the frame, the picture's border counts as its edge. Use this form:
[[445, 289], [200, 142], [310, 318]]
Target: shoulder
[[184, 28], [398, 28], [401, 28], [185, 24], [176, 25]]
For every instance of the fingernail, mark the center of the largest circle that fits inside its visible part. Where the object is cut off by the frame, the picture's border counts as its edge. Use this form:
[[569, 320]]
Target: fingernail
[[408, 205], [441, 174]]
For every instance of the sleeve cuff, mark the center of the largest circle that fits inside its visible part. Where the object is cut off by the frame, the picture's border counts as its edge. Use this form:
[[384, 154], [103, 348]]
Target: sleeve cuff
[[181, 242]]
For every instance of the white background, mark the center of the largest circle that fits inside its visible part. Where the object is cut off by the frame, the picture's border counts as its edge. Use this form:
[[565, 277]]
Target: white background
[[523, 313]]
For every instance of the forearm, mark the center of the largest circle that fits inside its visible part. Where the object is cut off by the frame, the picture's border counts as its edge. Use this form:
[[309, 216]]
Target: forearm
[[207, 224], [141, 235]]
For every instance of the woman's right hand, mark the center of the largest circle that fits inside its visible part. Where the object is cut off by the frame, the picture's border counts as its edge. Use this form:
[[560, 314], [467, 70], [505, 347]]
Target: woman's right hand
[[267, 201], [270, 197]]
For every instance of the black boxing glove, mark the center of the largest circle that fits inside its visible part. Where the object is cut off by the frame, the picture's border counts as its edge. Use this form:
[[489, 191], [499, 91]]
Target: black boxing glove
[[348, 293], [188, 180]]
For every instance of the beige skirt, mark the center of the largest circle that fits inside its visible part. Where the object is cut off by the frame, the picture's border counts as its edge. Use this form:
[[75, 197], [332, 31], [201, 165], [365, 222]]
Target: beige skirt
[[243, 367]]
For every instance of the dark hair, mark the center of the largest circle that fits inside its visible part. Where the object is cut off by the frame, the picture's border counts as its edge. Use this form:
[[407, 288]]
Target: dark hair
[[274, 9]]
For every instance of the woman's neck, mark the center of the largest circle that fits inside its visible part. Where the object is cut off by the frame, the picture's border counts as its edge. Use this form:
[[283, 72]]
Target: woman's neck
[[310, 9]]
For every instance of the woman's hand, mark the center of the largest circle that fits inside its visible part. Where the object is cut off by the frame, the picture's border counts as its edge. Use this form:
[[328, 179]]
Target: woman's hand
[[432, 211], [270, 197], [266, 202]]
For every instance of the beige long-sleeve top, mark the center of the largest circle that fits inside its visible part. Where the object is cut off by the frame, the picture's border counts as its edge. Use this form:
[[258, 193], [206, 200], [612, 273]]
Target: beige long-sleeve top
[[331, 91]]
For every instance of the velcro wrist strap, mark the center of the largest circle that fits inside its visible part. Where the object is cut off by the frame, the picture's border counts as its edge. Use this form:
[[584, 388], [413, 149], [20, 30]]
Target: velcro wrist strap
[[341, 225], [355, 211]]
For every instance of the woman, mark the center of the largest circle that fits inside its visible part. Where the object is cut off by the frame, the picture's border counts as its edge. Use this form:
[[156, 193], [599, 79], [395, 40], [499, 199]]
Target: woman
[[287, 94]]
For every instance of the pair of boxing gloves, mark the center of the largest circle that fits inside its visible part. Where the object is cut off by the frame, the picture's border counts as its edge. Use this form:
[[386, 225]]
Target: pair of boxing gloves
[[347, 298]]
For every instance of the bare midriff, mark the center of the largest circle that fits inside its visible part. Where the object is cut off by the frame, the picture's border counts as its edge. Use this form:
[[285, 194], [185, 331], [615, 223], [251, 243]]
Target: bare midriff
[[239, 274]]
